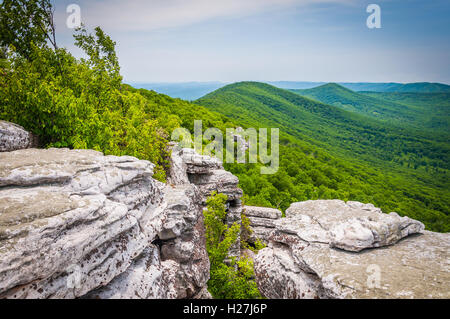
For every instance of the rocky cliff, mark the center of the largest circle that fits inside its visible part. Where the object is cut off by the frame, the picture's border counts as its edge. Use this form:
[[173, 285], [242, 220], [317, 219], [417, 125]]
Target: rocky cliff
[[76, 223], [262, 222], [208, 174]]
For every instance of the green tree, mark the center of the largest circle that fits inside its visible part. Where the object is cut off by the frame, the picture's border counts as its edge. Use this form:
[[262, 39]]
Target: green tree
[[234, 279], [3, 58], [27, 22], [102, 54]]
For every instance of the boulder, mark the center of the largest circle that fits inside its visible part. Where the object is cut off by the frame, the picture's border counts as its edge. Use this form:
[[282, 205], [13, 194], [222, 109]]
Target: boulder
[[199, 164], [351, 226], [15, 137], [184, 219], [262, 212]]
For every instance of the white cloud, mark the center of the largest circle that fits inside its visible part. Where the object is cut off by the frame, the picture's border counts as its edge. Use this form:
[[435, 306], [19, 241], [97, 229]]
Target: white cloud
[[147, 15]]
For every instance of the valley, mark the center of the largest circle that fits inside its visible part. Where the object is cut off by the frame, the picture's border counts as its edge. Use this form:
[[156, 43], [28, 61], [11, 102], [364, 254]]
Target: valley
[[327, 152]]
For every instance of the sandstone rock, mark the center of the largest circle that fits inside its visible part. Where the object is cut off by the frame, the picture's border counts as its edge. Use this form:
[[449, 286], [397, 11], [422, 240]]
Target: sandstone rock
[[317, 252], [186, 161], [75, 223], [15, 137], [144, 279], [175, 267], [203, 294], [199, 164], [220, 181], [178, 168], [260, 233], [208, 174], [188, 247], [262, 222], [262, 212], [351, 226]]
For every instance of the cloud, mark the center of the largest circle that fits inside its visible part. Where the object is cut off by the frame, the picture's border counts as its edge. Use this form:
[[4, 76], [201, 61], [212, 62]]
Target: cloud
[[148, 15]]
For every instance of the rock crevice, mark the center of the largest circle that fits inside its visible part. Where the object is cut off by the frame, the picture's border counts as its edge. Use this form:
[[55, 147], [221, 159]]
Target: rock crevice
[[76, 223]]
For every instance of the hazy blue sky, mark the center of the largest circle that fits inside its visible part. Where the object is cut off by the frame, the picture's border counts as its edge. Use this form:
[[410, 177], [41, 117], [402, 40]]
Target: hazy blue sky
[[269, 40]]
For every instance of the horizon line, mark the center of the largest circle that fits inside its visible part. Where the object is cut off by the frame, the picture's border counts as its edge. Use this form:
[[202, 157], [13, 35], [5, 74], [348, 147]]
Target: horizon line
[[275, 81]]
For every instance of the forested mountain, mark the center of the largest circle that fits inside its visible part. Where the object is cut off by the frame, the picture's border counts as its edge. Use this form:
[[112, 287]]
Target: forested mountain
[[420, 87], [434, 108], [417, 110], [339, 131], [195, 90], [392, 160]]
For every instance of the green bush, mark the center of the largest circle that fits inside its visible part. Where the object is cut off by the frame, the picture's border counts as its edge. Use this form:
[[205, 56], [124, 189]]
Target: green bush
[[82, 103], [233, 280]]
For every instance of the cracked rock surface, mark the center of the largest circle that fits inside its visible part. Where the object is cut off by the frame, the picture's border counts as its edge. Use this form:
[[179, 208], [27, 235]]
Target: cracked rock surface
[[76, 223], [208, 175], [262, 222], [333, 249], [14, 137]]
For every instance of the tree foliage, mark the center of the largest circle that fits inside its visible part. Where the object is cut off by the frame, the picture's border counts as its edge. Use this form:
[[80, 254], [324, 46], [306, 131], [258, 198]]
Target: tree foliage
[[24, 23], [329, 153]]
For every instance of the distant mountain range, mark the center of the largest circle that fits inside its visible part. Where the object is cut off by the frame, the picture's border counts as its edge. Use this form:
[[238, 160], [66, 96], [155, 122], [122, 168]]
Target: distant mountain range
[[340, 131], [194, 90], [183, 90], [409, 151], [419, 110], [419, 87]]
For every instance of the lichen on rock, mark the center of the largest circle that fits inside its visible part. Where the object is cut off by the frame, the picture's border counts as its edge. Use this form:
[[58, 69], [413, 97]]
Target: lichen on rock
[[333, 249]]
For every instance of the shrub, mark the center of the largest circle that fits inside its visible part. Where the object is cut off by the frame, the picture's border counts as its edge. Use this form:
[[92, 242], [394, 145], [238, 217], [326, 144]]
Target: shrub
[[235, 279]]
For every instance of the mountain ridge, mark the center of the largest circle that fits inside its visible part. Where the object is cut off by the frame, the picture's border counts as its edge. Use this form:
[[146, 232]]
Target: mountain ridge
[[382, 106], [308, 127], [195, 90]]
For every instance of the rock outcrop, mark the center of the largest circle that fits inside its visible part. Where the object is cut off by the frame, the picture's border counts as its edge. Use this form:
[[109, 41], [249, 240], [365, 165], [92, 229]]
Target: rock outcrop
[[78, 224], [208, 174], [333, 249], [262, 222], [14, 137], [75, 223]]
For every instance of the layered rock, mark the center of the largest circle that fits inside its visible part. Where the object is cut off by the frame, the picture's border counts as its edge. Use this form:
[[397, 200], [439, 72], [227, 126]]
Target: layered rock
[[208, 174], [262, 222], [75, 223], [15, 137], [351, 226], [333, 249]]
